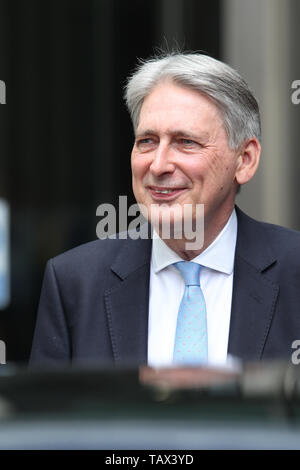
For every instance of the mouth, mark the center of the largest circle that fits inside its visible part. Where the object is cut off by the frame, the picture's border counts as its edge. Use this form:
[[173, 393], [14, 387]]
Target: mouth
[[160, 193]]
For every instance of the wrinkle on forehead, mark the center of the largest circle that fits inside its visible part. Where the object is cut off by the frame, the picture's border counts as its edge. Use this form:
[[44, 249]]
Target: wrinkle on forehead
[[151, 121]]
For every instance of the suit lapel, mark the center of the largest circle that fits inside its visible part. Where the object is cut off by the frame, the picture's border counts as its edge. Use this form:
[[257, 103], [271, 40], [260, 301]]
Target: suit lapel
[[126, 302], [254, 294]]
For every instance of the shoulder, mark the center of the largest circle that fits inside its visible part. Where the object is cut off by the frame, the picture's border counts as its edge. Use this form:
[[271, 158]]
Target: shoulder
[[269, 238], [285, 243], [125, 252], [88, 257], [276, 232]]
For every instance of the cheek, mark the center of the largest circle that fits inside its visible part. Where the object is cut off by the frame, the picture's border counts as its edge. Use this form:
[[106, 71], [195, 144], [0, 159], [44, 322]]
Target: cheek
[[221, 168], [139, 166], [138, 170], [194, 168], [216, 165]]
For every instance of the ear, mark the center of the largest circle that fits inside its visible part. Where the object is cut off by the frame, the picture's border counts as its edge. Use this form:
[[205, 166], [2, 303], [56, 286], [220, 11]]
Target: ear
[[248, 161]]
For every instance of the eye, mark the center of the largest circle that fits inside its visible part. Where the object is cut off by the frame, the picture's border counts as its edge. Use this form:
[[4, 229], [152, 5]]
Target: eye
[[144, 143], [188, 143]]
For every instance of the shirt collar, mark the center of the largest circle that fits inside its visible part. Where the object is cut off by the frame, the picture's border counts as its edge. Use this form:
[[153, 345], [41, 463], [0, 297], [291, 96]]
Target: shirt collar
[[219, 255]]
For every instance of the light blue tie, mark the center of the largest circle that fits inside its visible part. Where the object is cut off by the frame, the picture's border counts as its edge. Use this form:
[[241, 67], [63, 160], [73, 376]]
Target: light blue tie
[[190, 345]]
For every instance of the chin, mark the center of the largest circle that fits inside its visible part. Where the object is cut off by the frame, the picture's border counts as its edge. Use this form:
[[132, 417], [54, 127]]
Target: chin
[[171, 221]]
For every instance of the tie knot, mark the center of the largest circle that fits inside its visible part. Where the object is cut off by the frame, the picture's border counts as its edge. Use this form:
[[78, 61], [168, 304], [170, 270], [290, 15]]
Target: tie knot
[[190, 272]]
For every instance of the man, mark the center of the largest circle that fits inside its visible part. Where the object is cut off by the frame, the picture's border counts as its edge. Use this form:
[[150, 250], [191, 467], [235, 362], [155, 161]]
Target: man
[[124, 301]]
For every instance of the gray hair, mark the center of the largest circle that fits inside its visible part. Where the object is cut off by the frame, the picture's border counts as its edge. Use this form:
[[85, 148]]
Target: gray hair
[[213, 78]]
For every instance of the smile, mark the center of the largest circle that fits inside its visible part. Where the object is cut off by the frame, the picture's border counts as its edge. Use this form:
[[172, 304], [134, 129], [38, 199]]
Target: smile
[[165, 193]]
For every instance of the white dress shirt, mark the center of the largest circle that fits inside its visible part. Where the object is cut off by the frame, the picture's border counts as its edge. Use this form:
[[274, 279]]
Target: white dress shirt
[[167, 288]]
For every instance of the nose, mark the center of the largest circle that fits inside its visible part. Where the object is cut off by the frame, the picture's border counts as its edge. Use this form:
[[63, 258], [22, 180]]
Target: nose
[[162, 162]]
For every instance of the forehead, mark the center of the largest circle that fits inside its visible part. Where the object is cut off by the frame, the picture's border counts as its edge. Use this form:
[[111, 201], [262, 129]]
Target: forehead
[[170, 105]]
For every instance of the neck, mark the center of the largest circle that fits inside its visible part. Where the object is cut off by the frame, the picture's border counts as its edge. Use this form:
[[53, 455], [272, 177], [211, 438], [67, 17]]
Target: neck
[[211, 231]]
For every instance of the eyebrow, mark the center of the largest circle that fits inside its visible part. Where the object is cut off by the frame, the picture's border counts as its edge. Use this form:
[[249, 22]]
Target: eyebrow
[[174, 133]]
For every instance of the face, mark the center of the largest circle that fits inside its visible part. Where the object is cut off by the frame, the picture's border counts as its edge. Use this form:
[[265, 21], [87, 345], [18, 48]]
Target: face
[[181, 154]]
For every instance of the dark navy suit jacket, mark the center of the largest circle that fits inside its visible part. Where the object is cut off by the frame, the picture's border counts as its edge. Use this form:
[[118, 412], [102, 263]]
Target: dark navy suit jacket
[[94, 300]]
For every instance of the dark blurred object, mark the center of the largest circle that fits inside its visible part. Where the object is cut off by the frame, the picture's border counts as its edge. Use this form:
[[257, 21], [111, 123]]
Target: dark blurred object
[[257, 407], [186, 377]]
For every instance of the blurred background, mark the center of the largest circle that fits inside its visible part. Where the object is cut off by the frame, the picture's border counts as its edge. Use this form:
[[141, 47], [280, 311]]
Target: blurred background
[[66, 137]]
